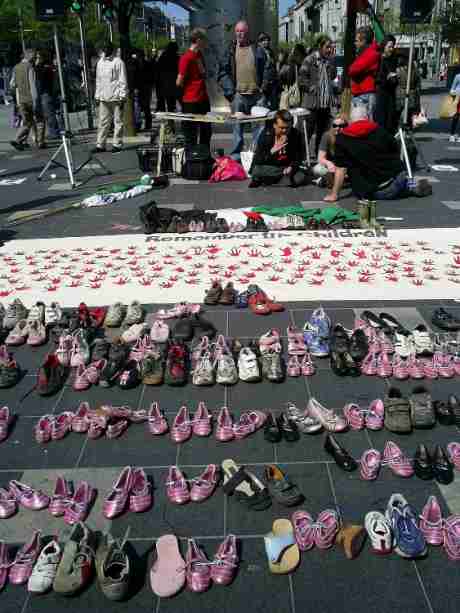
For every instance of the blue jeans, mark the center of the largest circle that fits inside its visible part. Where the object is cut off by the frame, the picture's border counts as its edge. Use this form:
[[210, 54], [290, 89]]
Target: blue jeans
[[396, 189], [243, 103], [48, 105], [367, 100]]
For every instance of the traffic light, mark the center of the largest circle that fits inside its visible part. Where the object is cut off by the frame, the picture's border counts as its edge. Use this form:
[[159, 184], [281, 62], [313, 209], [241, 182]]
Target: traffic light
[[107, 10], [77, 7]]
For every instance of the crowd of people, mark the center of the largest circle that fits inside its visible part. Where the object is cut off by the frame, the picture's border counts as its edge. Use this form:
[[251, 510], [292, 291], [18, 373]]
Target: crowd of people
[[249, 75]]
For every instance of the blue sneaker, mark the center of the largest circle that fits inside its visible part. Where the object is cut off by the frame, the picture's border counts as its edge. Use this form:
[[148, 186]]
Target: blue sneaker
[[408, 539], [316, 333], [241, 301]]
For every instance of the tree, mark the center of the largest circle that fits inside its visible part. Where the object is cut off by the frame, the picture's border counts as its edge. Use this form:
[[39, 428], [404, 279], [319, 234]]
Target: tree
[[449, 20], [124, 11]]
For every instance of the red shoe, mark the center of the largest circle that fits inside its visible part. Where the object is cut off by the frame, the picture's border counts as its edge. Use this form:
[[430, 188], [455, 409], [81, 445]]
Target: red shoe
[[97, 316], [84, 315], [258, 304]]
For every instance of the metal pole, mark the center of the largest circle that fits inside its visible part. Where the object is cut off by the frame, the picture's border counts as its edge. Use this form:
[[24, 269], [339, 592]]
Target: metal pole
[[110, 31], [409, 77], [21, 29], [89, 97], [61, 81]]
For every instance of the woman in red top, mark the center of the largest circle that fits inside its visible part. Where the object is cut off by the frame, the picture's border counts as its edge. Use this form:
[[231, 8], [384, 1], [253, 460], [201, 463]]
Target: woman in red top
[[192, 80]]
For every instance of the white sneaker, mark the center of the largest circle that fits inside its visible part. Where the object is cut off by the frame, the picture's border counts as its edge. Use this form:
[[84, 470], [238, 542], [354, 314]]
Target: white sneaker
[[115, 315], [422, 340], [248, 366], [44, 571], [134, 314], [452, 138], [133, 333], [37, 313], [379, 530], [226, 370], [53, 314], [203, 373], [403, 344]]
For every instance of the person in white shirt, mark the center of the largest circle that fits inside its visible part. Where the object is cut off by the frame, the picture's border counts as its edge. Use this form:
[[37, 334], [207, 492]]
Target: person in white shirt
[[455, 93], [111, 94]]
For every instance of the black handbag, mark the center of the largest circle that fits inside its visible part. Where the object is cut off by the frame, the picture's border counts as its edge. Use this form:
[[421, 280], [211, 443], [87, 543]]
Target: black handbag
[[198, 163]]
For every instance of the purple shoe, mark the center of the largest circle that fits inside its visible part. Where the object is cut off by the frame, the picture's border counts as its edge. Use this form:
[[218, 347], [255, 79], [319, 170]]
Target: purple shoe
[[156, 420], [8, 504], [303, 530], [176, 486], [198, 573], [29, 498], [225, 562], [5, 419], [61, 497], [181, 429], [80, 504], [249, 423], [42, 430], [431, 522], [80, 420], [224, 429], [204, 485], [24, 561], [202, 421], [5, 564], [115, 502], [140, 499]]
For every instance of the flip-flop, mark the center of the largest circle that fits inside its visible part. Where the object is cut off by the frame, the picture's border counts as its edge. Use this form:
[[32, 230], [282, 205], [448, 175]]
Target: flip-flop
[[281, 547], [246, 487], [167, 576]]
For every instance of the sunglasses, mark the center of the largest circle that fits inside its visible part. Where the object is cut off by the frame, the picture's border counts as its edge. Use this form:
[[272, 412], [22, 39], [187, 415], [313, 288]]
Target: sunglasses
[[339, 125]]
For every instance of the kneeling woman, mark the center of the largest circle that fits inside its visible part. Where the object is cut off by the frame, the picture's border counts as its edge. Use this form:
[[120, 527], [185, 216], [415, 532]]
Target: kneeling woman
[[278, 154], [326, 166]]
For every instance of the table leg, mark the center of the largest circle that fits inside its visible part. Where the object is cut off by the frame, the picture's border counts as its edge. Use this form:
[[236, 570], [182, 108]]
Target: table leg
[[161, 144], [307, 144]]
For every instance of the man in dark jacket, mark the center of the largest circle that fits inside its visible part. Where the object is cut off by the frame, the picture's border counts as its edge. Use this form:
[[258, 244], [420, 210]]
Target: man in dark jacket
[[278, 154], [245, 77], [372, 158], [363, 70]]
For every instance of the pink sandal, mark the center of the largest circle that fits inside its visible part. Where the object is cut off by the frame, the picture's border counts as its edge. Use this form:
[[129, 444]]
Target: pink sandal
[[167, 576]]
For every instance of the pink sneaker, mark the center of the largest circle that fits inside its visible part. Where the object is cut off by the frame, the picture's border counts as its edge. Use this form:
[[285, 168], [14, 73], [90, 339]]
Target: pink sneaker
[[373, 340], [116, 500], [5, 419], [26, 496], [42, 430], [37, 334], [64, 349], [115, 427], [293, 367], [198, 572], [296, 342], [354, 416], [444, 365], [157, 423], [431, 523], [415, 367], [400, 368], [453, 450], [202, 421], [249, 423], [394, 458], [225, 561], [369, 365], [81, 381], [176, 486], [18, 334], [8, 503], [224, 429], [307, 365], [61, 498], [159, 332], [325, 529], [204, 485], [181, 429], [81, 419], [24, 561], [93, 371], [369, 464], [384, 367], [61, 426], [429, 368], [303, 530], [375, 415], [97, 425], [456, 364], [452, 537], [386, 346], [80, 504], [140, 499]]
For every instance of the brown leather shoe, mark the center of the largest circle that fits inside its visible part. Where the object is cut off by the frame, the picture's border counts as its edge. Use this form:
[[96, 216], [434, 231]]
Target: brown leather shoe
[[214, 293], [228, 294], [352, 537]]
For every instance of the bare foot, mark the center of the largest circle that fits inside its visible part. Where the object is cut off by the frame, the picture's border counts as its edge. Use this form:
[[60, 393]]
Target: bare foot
[[330, 198]]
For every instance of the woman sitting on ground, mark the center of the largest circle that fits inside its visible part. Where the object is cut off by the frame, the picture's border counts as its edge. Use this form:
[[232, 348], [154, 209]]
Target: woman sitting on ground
[[326, 166], [278, 154]]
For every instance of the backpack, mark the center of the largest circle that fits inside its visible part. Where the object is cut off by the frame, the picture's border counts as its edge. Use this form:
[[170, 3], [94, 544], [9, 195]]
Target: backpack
[[198, 163]]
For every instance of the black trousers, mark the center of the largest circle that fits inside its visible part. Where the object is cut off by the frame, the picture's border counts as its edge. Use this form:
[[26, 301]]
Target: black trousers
[[318, 122], [274, 175], [194, 129], [166, 103], [145, 99]]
